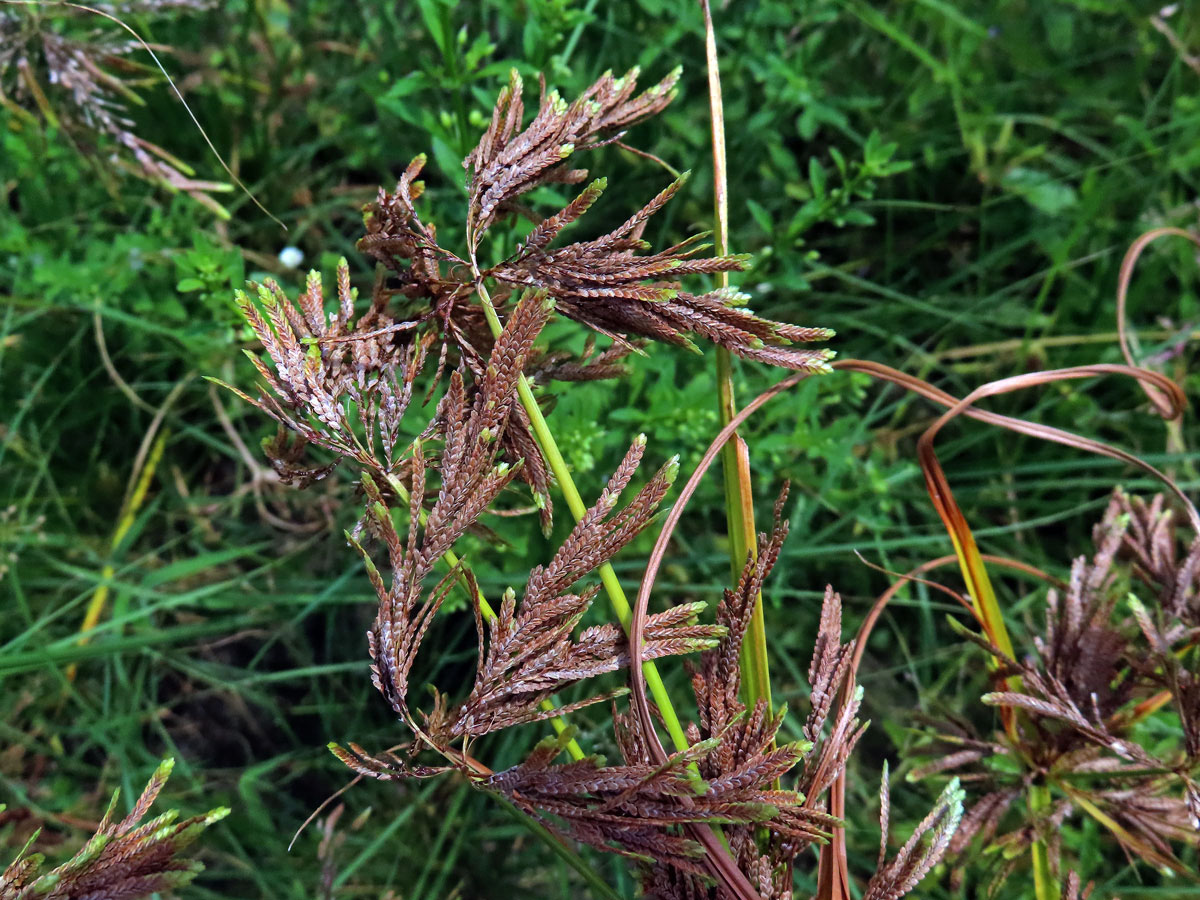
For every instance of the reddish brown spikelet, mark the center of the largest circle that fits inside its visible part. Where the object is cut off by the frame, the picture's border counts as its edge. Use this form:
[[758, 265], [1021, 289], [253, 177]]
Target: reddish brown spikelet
[[507, 163]]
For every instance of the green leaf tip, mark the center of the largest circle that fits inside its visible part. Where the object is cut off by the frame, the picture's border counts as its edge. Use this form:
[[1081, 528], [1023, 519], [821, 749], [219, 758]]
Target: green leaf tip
[[671, 469], [216, 815]]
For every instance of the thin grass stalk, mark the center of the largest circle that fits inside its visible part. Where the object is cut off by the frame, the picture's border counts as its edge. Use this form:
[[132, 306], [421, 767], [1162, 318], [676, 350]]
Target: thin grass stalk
[[145, 464], [608, 577], [979, 585], [134, 499], [735, 457]]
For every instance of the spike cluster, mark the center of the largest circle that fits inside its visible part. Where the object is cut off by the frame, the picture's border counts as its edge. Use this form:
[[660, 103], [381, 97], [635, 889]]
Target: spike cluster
[[736, 754], [1106, 660], [342, 381], [510, 161], [743, 755], [125, 859], [603, 284], [324, 368], [528, 651]]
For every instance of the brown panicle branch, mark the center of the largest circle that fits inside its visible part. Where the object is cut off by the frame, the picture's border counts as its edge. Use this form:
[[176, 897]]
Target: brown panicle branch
[[407, 246], [604, 284], [509, 162], [530, 651], [470, 481], [588, 366], [633, 810], [830, 675]]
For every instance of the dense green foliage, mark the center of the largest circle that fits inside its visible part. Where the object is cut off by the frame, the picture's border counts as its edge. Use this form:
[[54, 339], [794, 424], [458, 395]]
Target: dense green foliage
[[949, 186]]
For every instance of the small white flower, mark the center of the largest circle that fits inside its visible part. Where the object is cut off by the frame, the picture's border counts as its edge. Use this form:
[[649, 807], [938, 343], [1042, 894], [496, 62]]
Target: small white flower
[[291, 256]]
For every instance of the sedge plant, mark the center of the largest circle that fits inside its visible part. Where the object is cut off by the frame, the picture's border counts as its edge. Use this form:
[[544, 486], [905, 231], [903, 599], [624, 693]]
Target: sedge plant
[[728, 810], [710, 810], [711, 813]]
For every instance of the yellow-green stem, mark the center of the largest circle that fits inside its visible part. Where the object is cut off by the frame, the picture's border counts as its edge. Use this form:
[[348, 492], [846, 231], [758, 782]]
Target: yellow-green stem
[[735, 464], [608, 577], [983, 595], [739, 517], [1038, 797], [1044, 884]]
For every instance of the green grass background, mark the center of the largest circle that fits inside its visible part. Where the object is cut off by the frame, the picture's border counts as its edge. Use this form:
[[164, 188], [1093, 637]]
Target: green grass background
[[950, 186]]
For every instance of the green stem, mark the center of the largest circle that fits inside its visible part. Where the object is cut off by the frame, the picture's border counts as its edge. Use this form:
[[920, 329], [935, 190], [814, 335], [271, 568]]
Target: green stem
[[608, 577], [450, 558], [739, 517], [739, 494], [1044, 884]]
